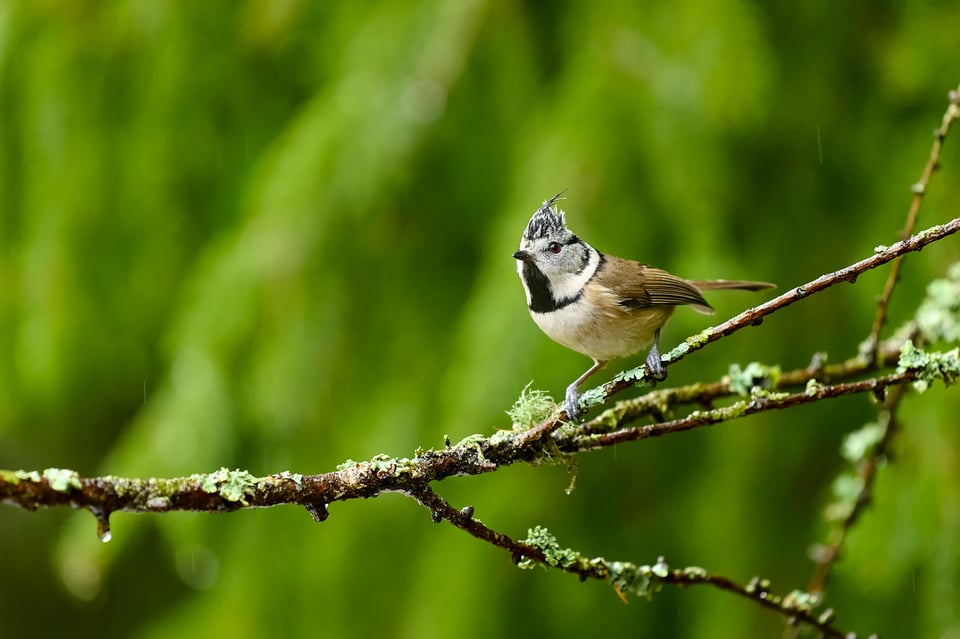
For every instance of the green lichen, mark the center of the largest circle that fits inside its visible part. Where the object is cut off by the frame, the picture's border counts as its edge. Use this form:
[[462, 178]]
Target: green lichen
[[121, 486], [382, 463], [16, 476], [756, 584], [846, 488], [695, 573], [681, 349], [402, 466], [698, 340], [501, 437], [929, 366], [827, 617], [232, 485], [470, 440], [938, 316], [626, 577], [813, 387], [62, 479], [345, 464], [296, 478], [541, 538], [754, 374], [631, 375], [800, 600], [759, 395], [660, 569], [531, 408], [857, 444], [595, 396], [28, 475], [722, 414]]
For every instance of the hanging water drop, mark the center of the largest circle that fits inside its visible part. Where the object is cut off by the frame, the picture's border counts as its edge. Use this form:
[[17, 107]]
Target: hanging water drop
[[103, 523], [317, 510]]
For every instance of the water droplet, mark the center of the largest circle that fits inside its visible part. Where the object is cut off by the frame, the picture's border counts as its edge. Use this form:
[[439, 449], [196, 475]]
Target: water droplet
[[103, 523], [318, 511]]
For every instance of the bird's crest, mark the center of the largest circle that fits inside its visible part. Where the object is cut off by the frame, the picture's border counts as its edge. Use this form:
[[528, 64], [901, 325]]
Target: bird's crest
[[546, 221]]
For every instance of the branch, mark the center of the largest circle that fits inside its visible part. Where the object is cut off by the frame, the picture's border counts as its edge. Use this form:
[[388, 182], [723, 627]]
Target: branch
[[542, 548], [753, 317], [826, 555], [760, 401], [919, 190], [659, 403], [226, 490], [871, 454]]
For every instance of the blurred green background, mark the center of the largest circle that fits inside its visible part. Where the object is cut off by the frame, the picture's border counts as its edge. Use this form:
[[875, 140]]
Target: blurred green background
[[276, 234]]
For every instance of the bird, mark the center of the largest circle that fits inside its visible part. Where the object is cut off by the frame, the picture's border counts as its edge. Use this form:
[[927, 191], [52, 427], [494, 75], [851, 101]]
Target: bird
[[600, 305]]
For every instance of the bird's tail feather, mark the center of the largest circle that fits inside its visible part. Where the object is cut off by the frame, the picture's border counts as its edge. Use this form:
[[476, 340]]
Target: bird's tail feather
[[715, 285]]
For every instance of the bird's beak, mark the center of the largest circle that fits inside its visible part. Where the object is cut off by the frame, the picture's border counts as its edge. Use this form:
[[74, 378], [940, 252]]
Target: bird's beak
[[523, 256]]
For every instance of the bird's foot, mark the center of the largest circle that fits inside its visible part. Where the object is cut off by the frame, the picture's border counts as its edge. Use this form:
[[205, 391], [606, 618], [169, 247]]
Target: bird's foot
[[655, 367], [572, 403]]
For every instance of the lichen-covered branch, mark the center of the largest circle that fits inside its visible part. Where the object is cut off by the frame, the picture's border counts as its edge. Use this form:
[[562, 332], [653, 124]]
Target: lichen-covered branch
[[865, 448], [660, 404], [537, 436], [541, 548], [754, 316], [751, 317], [225, 490], [919, 190], [760, 401]]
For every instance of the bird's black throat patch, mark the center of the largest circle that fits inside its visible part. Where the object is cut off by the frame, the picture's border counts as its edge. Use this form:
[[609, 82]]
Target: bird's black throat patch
[[541, 295]]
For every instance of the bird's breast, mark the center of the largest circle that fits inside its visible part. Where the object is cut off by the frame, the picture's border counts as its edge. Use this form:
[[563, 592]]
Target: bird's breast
[[599, 327]]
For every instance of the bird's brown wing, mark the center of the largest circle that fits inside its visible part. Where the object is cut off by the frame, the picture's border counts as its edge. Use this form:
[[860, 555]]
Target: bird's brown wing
[[640, 286]]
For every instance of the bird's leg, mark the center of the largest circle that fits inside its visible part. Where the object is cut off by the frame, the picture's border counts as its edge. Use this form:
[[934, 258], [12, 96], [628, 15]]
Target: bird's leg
[[654, 365], [572, 402]]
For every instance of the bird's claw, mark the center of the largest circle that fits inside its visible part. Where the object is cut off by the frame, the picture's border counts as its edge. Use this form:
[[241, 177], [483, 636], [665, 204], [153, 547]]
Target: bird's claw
[[655, 367], [572, 404]]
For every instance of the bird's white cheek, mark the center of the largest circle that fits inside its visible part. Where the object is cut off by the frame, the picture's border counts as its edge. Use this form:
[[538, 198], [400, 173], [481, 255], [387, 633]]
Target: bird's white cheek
[[570, 285]]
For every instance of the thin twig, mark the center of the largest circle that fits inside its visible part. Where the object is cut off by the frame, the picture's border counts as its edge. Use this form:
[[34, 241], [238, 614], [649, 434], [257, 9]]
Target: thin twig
[[225, 490], [762, 402], [827, 554], [755, 315], [463, 519], [919, 190], [659, 402], [598, 568]]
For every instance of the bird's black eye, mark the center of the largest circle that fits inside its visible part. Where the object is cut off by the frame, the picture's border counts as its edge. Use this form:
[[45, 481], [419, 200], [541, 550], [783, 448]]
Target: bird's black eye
[[554, 247]]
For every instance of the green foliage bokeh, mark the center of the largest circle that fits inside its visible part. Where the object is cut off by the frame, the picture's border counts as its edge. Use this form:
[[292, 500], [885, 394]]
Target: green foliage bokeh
[[277, 235]]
